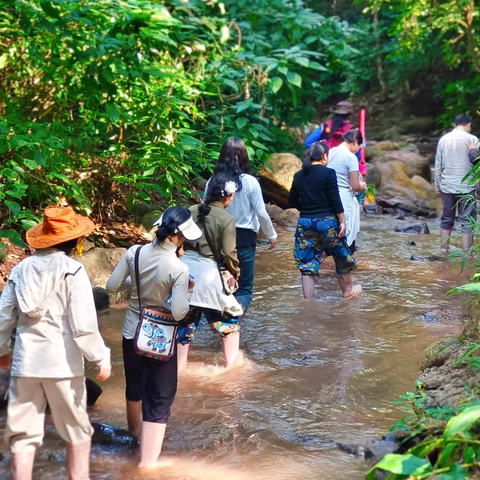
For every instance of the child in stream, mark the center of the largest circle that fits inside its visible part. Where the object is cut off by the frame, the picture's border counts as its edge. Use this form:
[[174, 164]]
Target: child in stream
[[48, 298]]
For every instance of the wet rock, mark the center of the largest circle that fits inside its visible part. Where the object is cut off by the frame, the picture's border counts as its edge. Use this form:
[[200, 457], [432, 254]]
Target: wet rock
[[357, 450], [432, 258], [276, 182], [437, 354], [288, 217], [444, 316], [370, 208], [141, 208], [100, 262], [420, 229], [411, 243], [101, 298], [58, 457], [410, 147], [373, 175], [414, 163], [273, 211], [105, 434], [397, 190]]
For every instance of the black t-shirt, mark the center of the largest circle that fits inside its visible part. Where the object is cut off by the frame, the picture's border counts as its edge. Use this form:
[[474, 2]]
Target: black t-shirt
[[315, 192]]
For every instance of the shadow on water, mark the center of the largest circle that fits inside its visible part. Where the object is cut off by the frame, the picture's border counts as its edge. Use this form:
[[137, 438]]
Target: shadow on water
[[315, 373]]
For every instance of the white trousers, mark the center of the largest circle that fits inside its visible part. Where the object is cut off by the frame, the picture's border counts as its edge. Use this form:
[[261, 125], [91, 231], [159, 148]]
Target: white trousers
[[352, 214], [28, 398]]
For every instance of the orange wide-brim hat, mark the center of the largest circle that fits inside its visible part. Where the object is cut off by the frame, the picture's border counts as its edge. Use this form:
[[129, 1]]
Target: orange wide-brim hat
[[60, 224]]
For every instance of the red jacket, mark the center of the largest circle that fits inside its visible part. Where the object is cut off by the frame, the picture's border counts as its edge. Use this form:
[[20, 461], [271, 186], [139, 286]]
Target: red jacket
[[336, 139]]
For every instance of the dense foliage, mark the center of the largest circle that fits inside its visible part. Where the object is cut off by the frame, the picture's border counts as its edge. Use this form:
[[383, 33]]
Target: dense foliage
[[105, 102]]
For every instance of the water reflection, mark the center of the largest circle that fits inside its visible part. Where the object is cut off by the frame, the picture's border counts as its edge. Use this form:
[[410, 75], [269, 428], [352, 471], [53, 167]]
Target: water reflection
[[315, 373]]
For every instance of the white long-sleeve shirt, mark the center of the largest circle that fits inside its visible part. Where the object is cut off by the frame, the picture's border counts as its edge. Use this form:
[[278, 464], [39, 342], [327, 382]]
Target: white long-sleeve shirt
[[49, 299], [248, 208]]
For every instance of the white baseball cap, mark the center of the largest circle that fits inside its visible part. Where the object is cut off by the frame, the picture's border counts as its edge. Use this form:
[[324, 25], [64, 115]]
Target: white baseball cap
[[189, 229]]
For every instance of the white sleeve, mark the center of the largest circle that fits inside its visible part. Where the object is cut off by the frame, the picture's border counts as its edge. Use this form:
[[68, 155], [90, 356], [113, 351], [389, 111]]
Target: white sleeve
[[83, 319], [256, 199], [8, 316]]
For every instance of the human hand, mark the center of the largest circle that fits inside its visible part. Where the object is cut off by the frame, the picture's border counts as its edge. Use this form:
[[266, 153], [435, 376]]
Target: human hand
[[439, 194], [104, 372], [232, 282], [471, 144], [180, 251], [363, 186], [341, 230], [191, 283], [272, 245]]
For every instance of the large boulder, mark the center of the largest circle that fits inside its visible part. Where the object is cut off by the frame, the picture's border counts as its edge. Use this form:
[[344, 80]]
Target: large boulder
[[373, 175], [277, 181], [100, 262], [414, 195], [288, 218], [414, 163]]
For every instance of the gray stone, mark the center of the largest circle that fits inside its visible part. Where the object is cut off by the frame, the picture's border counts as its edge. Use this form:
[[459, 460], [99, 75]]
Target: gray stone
[[100, 263], [101, 298], [421, 229], [273, 211], [414, 163], [289, 217], [373, 175], [104, 434]]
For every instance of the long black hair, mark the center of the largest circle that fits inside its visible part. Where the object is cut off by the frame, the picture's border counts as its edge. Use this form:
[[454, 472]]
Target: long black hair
[[353, 136], [172, 218], [315, 151], [337, 121], [233, 160], [215, 192]]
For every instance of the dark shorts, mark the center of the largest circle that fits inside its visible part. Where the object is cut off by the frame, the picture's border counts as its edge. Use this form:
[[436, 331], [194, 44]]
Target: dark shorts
[[154, 382], [316, 236], [467, 209]]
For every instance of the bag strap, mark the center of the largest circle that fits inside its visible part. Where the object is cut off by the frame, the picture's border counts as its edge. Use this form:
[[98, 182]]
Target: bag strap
[[210, 244], [137, 274]]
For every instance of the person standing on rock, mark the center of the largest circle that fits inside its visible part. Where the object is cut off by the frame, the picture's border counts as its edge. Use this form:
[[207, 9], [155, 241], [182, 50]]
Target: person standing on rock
[[151, 383], [214, 250], [332, 131], [249, 212], [342, 159], [321, 226], [48, 298], [452, 165]]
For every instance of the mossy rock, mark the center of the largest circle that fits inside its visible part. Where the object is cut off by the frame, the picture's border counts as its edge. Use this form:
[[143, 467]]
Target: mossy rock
[[437, 354], [139, 209], [148, 219]]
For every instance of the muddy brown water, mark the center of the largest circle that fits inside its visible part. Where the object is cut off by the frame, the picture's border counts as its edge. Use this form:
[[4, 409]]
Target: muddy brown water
[[315, 373]]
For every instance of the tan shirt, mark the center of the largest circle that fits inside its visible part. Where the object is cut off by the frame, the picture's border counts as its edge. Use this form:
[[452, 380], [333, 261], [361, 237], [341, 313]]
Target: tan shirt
[[221, 232], [49, 299], [161, 272]]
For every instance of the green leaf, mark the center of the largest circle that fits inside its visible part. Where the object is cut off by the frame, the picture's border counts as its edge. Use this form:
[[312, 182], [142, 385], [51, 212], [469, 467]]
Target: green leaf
[[456, 473], [463, 420], [241, 122], [250, 151], [469, 455], [405, 464], [14, 207], [304, 61], [14, 237], [145, 197], [233, 85], [446, 456], [294, 79], [130, 201], [276, 83], [113, 113]]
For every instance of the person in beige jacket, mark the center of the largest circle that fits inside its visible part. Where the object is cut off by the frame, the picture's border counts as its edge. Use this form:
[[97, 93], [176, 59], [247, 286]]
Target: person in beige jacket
[[48, 299]]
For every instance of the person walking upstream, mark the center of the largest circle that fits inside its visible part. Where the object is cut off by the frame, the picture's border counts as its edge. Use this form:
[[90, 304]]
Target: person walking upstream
[[452, 165]]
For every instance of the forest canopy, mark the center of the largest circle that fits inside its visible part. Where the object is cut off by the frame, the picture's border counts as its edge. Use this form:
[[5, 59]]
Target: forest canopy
[[108, 101]]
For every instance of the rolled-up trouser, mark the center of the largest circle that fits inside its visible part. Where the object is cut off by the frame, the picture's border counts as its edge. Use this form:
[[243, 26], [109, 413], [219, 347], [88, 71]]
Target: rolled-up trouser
[[28, 398], [152, 381], [467, 207]]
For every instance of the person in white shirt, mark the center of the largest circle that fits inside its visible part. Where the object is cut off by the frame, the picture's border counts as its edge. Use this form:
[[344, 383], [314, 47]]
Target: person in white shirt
[[48, 299], [248, 210], [342, 159]]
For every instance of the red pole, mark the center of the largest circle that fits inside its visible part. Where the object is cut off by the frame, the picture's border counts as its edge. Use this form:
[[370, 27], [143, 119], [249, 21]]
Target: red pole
[[361, 123]]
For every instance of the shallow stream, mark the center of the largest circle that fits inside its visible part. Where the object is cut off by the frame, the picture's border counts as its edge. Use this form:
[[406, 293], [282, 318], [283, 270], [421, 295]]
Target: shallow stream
[[315, 373]]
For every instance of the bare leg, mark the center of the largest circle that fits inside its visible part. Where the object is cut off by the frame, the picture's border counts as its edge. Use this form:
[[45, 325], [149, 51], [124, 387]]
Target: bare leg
[[230, 347], [134, 417], [467, 241], [182, 356], [308, 285], [21, 465], [349, 290]]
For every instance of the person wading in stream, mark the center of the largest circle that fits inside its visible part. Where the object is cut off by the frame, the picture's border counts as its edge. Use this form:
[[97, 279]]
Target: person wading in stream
[[49, 299], [332, 131], [321, 226], [248, 211], [452, 165], [342, 159], [151, 383], [215, 249]]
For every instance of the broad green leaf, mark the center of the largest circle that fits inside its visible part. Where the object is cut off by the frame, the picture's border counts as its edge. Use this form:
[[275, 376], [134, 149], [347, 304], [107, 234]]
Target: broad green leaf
[[113, 113], [130, 201], [456, 473], [14, 238], [304, 61], [469, 455], [463, 420], [294, 79], [241, 122], [405, 464], [446, 456], [233, 85], [276, 84], [14, 207], [145, 197]]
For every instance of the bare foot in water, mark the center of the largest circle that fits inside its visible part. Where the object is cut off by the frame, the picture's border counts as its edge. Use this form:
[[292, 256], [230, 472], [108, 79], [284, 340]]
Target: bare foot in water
[[354, 291]]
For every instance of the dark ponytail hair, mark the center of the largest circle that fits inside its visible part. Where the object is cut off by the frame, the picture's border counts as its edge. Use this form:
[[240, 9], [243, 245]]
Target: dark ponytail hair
[[315, 151], [172, 218], [353, 136], [233, 160], [337, 121], [215, 191]]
